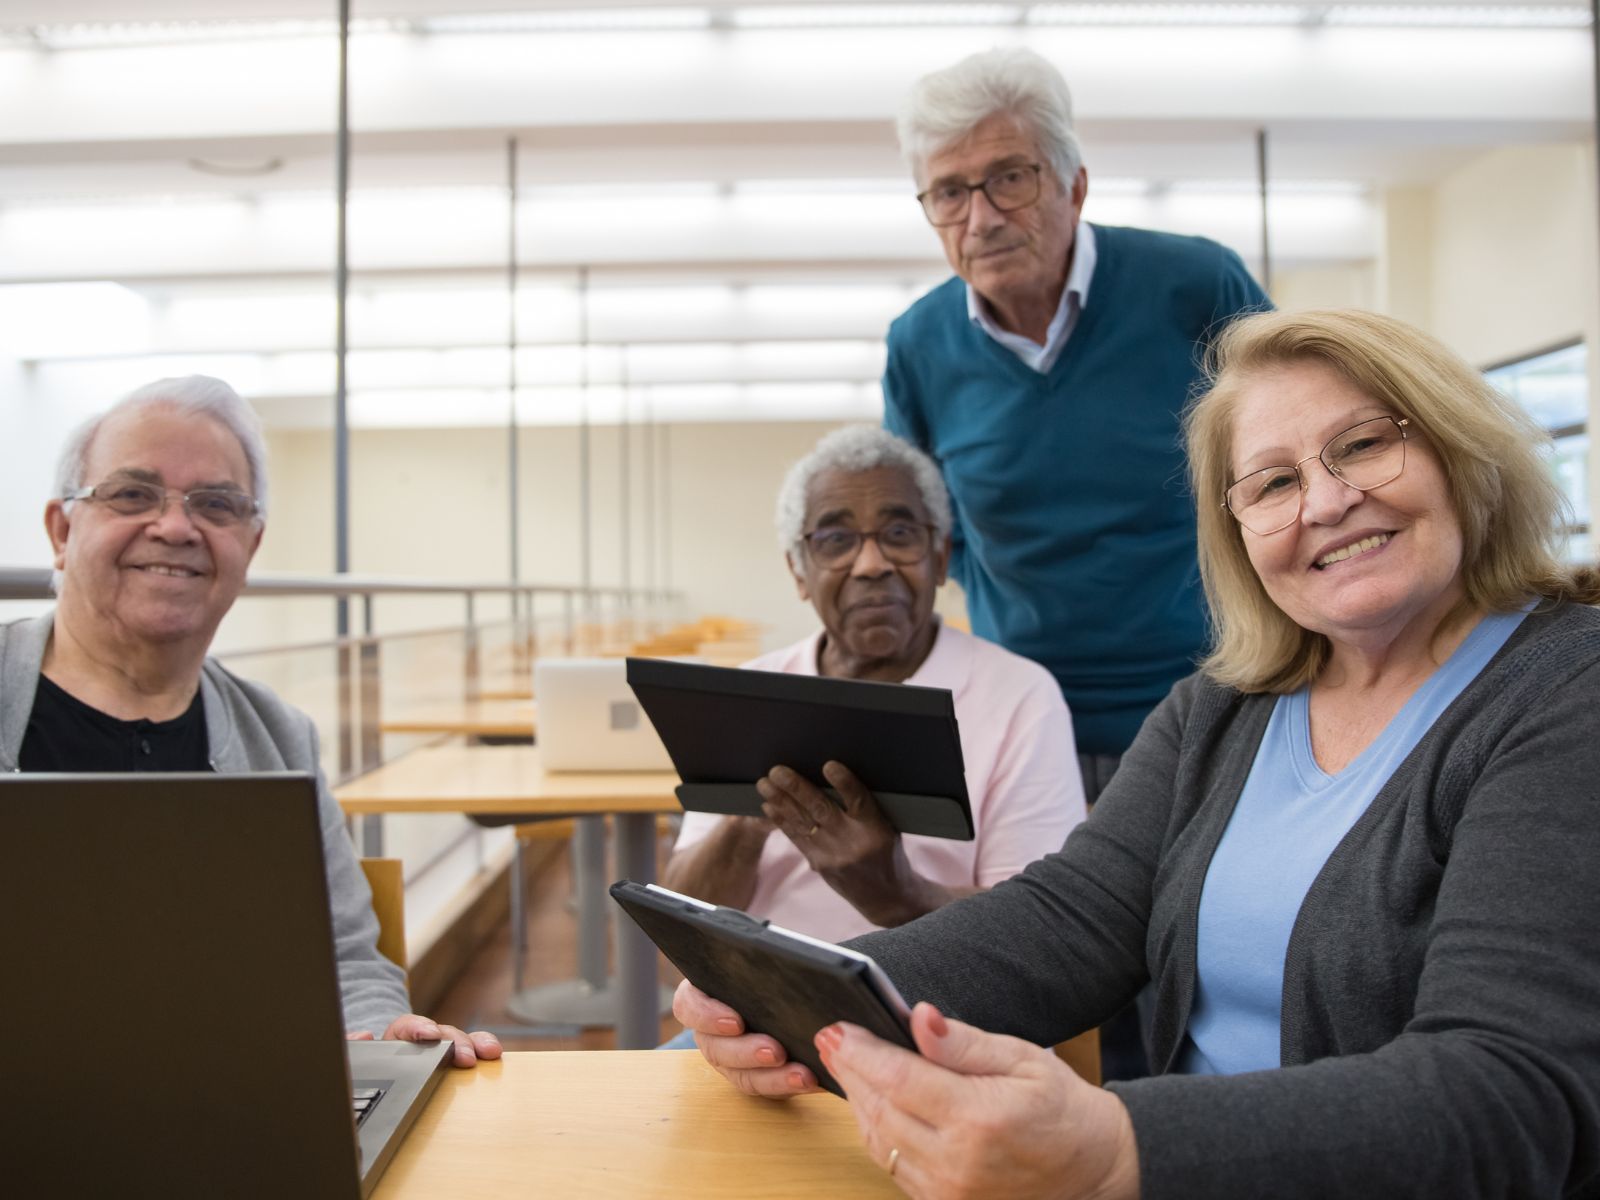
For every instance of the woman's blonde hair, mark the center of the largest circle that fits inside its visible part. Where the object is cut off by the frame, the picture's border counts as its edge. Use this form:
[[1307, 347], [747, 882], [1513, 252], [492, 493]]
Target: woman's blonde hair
[[1503, 496]]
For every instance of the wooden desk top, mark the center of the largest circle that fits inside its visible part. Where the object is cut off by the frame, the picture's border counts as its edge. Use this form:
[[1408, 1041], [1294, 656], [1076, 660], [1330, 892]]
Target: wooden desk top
[[502, 779], [605, 1123], [472, 718], [507, 692]]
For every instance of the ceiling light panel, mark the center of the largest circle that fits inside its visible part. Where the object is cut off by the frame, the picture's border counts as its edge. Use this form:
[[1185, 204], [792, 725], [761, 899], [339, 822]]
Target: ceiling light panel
[[836, 16], [1170, 14], [595, 19]]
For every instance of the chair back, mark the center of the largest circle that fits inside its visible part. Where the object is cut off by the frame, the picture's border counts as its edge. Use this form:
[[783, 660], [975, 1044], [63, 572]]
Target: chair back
[[386, 878]]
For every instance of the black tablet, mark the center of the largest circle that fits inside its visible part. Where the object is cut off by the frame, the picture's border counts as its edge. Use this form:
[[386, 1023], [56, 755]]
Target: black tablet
[[725, 728], [783, 984]]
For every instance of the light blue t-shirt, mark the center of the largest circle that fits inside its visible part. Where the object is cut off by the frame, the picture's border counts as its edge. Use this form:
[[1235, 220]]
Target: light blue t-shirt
[[1290, 817]]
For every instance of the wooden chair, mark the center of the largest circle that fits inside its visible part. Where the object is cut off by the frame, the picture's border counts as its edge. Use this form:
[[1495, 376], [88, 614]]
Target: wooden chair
[[387, 880], [1082, 1054]]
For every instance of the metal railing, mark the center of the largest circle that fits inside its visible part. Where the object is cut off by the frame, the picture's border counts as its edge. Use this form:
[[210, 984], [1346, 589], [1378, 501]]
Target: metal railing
[[359, 655]]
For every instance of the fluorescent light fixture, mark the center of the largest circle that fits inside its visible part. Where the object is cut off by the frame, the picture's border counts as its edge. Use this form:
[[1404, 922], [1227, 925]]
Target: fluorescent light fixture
[[59, 320], [622, 190], [834, 16], [1456, 16], [1275, 187], [102, 35], [1168, 14], [823, 187], [1463, 16], [573, 20]]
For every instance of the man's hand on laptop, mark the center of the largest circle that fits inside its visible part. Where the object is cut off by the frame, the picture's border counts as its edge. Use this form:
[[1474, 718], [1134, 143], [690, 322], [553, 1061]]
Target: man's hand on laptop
[[412, 1027]]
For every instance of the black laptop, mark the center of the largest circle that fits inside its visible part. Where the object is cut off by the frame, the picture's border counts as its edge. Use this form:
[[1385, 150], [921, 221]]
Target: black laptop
[[171, 998]]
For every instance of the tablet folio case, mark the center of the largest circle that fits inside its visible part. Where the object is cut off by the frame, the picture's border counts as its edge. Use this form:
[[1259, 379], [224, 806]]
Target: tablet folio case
[[725, 728], [781, 987]]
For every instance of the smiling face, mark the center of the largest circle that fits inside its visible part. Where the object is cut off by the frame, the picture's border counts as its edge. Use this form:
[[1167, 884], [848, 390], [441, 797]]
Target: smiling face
[[1362, 568], [1007, 257], [166, 580], [878, 614]]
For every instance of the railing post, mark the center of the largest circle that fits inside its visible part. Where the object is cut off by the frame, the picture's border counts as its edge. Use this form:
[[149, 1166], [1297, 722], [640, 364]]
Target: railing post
[[470, 638], [347, 693], [371, 690]]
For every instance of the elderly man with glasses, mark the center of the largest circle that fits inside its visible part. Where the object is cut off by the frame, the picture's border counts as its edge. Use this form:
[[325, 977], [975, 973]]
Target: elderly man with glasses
[[159, 507], [1047, 379], [864, 521]]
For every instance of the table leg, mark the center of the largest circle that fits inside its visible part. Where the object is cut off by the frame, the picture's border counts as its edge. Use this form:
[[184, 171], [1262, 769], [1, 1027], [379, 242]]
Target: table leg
[[638, 989], [589, 881], [372, 835], [519, 915], [592, 999]]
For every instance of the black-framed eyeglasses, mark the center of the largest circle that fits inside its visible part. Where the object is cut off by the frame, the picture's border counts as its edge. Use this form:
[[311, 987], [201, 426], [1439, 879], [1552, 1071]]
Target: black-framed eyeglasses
[[904, 543], [1364, 456], [1008, 189], [220, 507]]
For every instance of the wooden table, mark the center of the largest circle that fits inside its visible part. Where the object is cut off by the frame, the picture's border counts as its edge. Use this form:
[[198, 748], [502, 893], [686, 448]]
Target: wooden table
[[512, 780], [469, 718], [625, 1124]]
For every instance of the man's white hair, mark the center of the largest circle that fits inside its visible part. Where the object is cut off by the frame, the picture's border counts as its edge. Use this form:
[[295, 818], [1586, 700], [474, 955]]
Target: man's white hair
[[945, 106], [858, 448], [191, 395]]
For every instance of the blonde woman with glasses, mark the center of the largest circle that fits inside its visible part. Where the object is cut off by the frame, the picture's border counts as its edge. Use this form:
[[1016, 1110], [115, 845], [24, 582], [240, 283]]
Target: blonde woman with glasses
[[1353, 854]]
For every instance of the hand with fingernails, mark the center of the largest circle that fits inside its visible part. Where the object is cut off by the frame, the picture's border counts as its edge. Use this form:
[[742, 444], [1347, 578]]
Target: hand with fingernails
[[974, 1114], [470, 1048], [851, 844]]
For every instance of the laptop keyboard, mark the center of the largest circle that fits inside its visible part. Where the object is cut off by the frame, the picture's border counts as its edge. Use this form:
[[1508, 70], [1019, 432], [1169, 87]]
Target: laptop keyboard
[[364, 1100]]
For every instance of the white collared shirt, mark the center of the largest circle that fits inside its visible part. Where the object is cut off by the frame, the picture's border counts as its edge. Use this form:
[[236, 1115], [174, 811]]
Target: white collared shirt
[[1073, 298]]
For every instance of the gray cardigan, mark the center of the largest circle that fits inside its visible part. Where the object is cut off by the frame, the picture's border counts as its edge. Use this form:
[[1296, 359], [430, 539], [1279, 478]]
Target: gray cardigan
[[248, 729], [1441, 992]]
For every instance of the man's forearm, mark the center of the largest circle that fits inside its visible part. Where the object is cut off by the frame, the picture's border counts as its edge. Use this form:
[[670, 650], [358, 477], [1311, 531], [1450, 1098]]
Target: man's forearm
[[722, 867]]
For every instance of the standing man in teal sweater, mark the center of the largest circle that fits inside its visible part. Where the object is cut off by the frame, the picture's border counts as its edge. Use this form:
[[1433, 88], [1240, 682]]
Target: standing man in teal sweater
[[1047, 379]]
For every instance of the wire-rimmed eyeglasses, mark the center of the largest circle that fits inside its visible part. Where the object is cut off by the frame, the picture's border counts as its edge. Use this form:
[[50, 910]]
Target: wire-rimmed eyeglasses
[[904, 543], [221, 507], [1364, 456], [1008, 189]]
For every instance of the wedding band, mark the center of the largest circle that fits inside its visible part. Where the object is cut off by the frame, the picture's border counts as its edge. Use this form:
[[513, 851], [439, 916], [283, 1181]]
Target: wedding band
[[814, 827], [894, 1159]]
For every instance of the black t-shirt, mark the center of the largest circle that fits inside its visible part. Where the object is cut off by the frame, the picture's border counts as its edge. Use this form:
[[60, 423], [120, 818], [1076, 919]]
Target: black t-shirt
[[65, 734]]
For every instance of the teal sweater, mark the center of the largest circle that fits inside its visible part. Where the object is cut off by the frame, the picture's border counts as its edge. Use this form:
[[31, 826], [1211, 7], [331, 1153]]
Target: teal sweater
[[1074, 527]]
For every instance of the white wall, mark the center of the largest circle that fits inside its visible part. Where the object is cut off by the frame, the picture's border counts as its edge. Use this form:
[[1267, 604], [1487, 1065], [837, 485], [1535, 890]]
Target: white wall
[[433, 504], [1513, 252], [1514, 263], [1345, 285]]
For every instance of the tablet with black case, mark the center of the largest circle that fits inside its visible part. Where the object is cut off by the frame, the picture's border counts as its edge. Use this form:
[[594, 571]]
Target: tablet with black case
[[783, 984], [725, 728]]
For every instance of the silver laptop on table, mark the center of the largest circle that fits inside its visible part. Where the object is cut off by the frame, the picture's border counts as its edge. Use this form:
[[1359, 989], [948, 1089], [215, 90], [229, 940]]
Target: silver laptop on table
[[590, 720], [173, 1000]]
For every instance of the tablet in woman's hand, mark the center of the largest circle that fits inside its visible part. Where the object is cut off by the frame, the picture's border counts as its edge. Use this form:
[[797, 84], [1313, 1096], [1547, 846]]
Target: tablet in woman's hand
[[783, 984]]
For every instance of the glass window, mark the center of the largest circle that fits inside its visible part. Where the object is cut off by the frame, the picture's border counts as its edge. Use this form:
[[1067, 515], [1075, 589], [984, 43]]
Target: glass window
[[1554, 388]]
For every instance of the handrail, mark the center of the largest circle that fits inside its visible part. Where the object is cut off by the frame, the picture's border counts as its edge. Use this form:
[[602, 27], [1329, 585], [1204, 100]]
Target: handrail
[[33, 583], [359, 743]]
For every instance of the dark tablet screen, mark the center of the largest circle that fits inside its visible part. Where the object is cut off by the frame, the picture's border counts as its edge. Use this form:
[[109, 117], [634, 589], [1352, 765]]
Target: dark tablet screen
[[783, 984], [725, 728]]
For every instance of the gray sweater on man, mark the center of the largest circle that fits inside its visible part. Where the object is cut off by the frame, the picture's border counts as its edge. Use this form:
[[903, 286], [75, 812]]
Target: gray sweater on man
[[248, 729], [1441, 991]]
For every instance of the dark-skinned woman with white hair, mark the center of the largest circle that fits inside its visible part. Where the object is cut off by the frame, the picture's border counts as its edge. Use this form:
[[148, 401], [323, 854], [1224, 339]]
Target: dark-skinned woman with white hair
[[1352, 855]]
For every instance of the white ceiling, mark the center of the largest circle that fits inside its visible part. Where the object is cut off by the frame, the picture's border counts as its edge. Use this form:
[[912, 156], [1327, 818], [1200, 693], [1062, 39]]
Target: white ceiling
[[720, 156]]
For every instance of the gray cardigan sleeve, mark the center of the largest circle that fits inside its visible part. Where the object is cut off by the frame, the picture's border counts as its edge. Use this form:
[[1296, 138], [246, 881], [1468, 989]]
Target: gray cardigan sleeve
[[1060, 947], [1493, 1087], [372, 989]]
